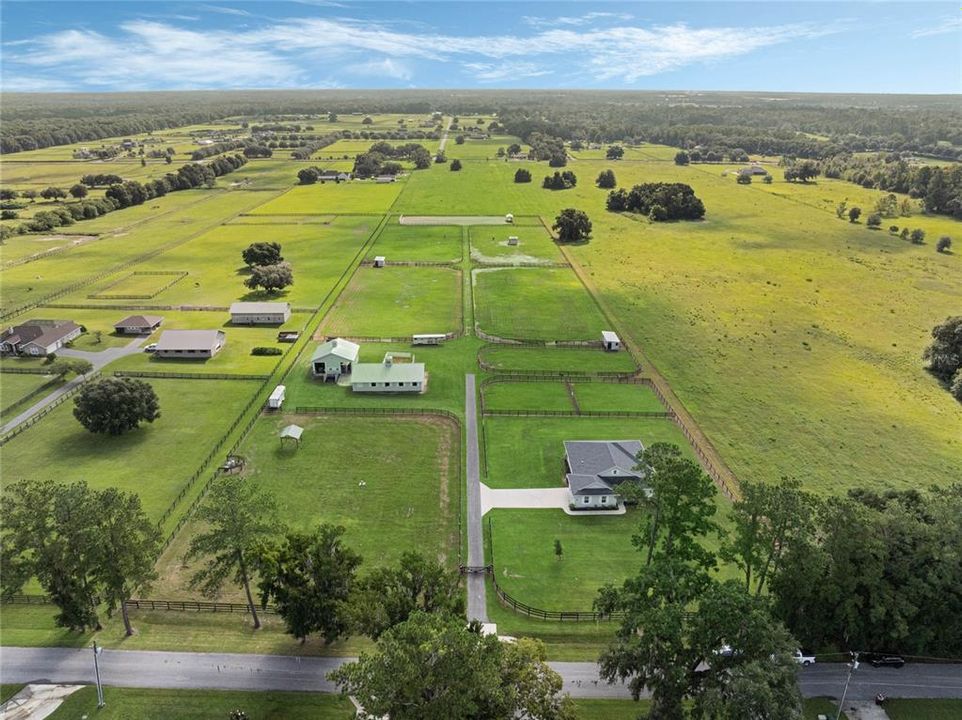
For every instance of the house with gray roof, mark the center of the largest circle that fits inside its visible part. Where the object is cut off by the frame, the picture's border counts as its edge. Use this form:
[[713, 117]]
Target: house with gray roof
[[595, 468], [334, 358], [38, 337], [190, 344], [396, 373], [138, 324]]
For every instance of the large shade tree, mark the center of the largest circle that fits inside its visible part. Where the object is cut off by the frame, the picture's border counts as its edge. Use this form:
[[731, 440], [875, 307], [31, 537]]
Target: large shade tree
[[572, 225], [115, 405]]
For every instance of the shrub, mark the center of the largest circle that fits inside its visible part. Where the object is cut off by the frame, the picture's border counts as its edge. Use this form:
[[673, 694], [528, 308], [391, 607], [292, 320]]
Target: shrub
[[917, 236], [9, 215], [606, 179], [522, 176], [767, 179], [682, 158], [455, 165], [944, 243], [260, 350], [874, 221], [894, 229], [744, 179]]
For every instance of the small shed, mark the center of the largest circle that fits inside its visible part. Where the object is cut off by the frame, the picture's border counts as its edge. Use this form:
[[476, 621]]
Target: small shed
[[512, 240], [293, 433], [276, 399], [509, 218], [428, 339], [610, 341], [379, 261]]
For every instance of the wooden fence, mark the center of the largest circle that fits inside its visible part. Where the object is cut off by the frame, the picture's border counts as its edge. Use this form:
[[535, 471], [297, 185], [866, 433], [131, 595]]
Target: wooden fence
[[187, 376], [34, 419], [196, 606], [177, 275]]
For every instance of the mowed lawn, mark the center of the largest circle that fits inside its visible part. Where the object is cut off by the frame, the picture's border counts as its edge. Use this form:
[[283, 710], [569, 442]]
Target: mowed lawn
[[527, 396], [535, 246], [356, 196], [396, 301], [617, 397], [535, 304], [794, 338], [529, 452], [16, 387], [556, 359], [440, 243], [155, 460], [129, 703]]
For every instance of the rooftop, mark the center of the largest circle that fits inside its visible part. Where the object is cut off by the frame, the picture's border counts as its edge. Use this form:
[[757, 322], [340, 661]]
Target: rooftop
[[139, 321], [382, 372], [339, 347], [189, 339], [259, 307]]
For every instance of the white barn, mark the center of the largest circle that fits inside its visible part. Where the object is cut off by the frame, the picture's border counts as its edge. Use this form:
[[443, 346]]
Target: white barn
[[610, 341], [334, 358], [260, 313], [190, 344], [388, 376]]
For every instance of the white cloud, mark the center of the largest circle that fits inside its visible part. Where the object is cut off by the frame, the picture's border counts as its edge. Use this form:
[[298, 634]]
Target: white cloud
[[586, 19], [948, 25], [497, 72], [225, 10], [387, 67]]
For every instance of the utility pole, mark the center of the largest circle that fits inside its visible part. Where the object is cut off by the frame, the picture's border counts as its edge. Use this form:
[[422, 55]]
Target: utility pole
[[852, 667], [100, 687]]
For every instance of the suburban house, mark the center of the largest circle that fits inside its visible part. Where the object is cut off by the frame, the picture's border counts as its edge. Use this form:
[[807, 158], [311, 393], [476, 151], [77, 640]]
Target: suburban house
[[334, 358], [138, 324], [38, 337], [610, 341], [396, 373], [190, 344], [595, 468], [260, 313]]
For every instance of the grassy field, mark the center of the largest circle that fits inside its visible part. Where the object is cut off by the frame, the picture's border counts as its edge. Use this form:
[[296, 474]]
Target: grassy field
[[128, 703], [923, 709], [343, 198], [535, 246], [535, 304], [15, 389], [441, 243], [585, 360], [397, 301], [527, 396], [529, 452], [8, 690], [618, 397], [154, 461], [140, 283]]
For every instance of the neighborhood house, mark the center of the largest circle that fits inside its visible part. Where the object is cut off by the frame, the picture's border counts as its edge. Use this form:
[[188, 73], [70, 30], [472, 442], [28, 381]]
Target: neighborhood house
[[396, 373], [38, 337], [595, 468], [260, 313], [138, 324], [189, 343], [334, 358]]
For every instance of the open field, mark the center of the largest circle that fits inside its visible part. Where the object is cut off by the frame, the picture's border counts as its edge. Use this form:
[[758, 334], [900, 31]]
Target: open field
[[412, 243], [556, 359], [923, 709], [535, 304], [589, 396], [535, 245], [610, 396], [397, 301], [529, 452], [357, 196], [478, 150], [527, 396], [154, 461], [276, 173], [125, 703], [16, 388]]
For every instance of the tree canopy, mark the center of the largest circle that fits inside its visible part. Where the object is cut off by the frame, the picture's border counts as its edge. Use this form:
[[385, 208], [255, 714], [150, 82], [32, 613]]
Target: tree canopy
[[572, 225], [270, 278], [262, 253], [115, 405], [606, 179], [676, 200]]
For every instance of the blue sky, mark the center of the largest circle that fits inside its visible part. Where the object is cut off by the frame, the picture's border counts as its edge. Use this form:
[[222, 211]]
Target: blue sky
[[778, 46]]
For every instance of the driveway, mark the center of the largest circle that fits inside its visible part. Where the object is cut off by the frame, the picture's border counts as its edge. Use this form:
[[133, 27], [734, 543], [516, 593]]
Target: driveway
[[477, 597], [535, 499], [97, 359]]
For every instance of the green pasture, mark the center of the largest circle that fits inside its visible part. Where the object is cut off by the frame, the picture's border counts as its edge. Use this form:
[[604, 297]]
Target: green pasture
[[155, 460], [345, 147], [794, 338], [156, 210], [276, 173], [527, 396], [397, 301], [554, 395], [137, 282], [125, 703], [355, 196], [617, 397], [556, 359], [523, 452], [17, 247], [535, 304], [478, 150], [942, 709], [38, 174], [535, 246], [431, 243], [17, 389], [282, 220]]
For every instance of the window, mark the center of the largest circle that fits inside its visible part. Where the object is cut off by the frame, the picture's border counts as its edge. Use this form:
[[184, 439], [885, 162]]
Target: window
[[587, 499], [604, 499]]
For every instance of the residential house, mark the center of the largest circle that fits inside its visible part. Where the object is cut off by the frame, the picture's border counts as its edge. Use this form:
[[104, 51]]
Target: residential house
[[190, 344], [138, 324], [260, 313], [38, 338], [595, 468], [389, 375], [334, 358]]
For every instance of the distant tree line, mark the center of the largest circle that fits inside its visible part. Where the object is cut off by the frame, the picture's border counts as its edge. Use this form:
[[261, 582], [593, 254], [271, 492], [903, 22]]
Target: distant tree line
[[217, 149], [659, 201]]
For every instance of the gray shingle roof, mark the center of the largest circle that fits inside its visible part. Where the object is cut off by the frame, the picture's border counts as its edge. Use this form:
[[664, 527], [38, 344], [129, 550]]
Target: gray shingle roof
[[139, 321], [338, 347], [189, 339], [258, 308], [598, 465]]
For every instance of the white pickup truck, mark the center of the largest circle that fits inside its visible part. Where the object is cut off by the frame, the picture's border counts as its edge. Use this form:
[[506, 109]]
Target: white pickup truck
[[803, 659]]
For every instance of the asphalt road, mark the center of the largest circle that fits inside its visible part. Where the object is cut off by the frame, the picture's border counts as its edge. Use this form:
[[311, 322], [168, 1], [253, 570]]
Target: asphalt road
[[127, 668]]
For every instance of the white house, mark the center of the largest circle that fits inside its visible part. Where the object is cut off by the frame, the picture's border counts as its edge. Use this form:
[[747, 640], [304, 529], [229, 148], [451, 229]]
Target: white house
[[595, 469], [385, 179], [389, 376], [260, 313], [38, 337], [190, 344], [334, 358], [138, 324], [610, 341]]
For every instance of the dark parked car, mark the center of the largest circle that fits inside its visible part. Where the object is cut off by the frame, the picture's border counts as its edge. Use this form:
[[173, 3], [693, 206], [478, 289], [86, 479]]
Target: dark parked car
[[879, 660]]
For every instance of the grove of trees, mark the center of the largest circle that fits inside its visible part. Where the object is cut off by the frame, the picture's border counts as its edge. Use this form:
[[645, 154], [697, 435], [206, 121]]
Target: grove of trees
[[659, 201]]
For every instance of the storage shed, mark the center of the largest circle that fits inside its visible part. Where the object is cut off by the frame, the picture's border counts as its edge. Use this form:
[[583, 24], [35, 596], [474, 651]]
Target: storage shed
[[509, 218], [379, 261], [512, 240], [610, 341]]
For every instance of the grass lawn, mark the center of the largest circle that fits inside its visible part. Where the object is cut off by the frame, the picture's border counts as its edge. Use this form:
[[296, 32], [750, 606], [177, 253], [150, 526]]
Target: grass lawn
[[410, 499], [15, 387], [282, 220], [583, 360], [946, 709], [617, 396], [535, 246], [477, 150], [397, 301], [440, 243], [611, 709], [814, 707], [8, 690], [262, 174], [535, 304], [154, 461], [527, 396], [357, 196], [529, 452], [127, 703], [140, 283]]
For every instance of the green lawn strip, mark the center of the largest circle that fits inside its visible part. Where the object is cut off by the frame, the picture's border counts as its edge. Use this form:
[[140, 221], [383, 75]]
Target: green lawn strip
[[535, 304], [941, 709], [261, 174], [140, 283], [344, 198], [128, 703], [17, 389], [90, 341], [617, 397], [529, 452], [282, 220], [397, 301], [155, 461], [440, 243], [555, 359], [391, 481], [535, 245], [611, 709], [526, 396], [8, 690], [813, 707]]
